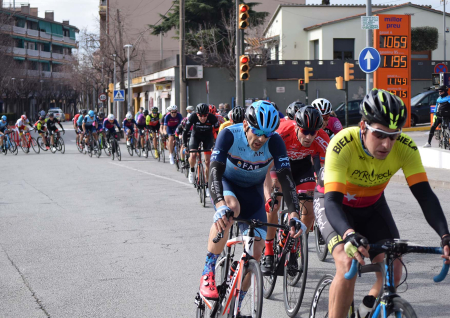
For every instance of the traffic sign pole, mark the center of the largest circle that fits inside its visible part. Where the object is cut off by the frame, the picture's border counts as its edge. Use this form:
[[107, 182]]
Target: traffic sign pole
[[369, 43]]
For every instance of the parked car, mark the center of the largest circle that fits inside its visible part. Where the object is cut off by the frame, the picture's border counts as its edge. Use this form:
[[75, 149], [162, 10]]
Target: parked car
[[354, 117], [59, 114], [420, 106]]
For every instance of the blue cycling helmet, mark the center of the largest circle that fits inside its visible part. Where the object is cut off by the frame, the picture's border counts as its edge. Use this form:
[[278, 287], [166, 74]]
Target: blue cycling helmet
[[91, 113], [4, 118], [263, 115]]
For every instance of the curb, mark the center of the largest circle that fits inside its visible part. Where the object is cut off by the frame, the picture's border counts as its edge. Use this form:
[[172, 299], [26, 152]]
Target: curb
[[433, 183], [421, 128]]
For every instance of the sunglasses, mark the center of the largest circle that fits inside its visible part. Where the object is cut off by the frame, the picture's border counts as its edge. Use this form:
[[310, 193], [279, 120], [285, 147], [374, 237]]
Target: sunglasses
[[326, 117], [173, 112], [308, 132], [202, 115], [381, 134], [259, 133]]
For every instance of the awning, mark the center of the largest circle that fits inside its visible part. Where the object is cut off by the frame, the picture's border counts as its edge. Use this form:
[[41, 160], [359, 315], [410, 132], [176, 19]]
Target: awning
[[19, 58], [44, 61], [160, 80], [30, 40], [34, 60], [54, 62], [32, 19]]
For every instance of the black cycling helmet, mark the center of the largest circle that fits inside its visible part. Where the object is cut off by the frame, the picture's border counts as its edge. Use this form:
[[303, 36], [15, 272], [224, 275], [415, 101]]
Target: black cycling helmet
[[84, 112], [146, 112], [382, 107], [202, 108], [274, 105], [101, 114], [238, 114], [51, 115], [442, 88], [309, 118], [41, 117], [292, 109]]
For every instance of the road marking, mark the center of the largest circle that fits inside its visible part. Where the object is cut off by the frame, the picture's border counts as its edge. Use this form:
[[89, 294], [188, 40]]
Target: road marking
[[152, 174]]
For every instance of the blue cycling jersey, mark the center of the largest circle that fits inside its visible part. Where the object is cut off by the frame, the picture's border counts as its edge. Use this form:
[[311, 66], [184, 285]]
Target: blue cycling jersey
[[3, 124], [80, 120], [88, 121], [100, 123], [246, 167]]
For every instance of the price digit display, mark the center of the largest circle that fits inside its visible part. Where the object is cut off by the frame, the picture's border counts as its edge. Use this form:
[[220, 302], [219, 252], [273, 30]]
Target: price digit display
[[401, 94], [394, 61], [393, 42], [397, 81]]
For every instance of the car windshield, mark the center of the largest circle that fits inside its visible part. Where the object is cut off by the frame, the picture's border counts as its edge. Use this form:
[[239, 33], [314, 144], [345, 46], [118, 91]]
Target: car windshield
[[418, 97], [55, 110], [340, 106]]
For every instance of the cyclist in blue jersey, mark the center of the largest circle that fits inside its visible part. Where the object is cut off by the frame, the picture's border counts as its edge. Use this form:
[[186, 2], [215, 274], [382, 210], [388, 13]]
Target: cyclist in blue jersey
[[79, 123], [171, 122], [3, 129], [128, 126], [110, 124], [89, 125], [242, 157]]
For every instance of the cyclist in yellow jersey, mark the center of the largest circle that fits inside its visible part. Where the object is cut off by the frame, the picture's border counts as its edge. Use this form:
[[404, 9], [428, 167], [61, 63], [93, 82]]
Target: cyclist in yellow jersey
[[153, 123], [359, 164]]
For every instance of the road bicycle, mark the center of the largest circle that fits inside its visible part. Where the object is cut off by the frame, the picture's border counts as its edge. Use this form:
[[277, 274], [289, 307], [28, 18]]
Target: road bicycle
[[290, 261], [114, 147], [200, 183], [232, 276], [131, 144], [186, 166], [9, 144], [92, 145], [444, 134], [176, 154], [58, 142], [388, 302], [161, 148], [103, 144], [29, 142]]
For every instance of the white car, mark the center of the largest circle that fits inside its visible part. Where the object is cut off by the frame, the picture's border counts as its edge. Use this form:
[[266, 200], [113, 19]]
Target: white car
[[58, 114]]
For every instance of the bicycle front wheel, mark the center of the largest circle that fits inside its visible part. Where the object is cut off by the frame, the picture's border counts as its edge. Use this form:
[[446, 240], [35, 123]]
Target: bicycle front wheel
[[400, 309], [61, 145], [319, 304], [119, 155], [35, 146], [251, 305], [24, 147], [41, 144], [294, 278], [13, 147], [321, 246]]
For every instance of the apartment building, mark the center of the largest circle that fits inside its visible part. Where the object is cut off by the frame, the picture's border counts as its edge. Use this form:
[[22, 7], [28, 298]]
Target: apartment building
[[41, 47]]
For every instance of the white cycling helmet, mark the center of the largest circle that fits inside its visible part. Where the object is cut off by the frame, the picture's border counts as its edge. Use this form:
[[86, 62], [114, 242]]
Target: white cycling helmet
[[323, 106], [173, 107], [129, 116], [191, 108], [111, 117]]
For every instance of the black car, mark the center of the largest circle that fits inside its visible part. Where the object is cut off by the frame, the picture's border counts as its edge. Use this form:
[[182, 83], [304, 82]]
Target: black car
[[420, 106], [354, 117]]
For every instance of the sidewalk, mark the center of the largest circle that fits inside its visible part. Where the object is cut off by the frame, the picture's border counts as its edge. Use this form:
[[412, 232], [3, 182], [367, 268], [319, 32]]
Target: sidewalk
[[438, 178]]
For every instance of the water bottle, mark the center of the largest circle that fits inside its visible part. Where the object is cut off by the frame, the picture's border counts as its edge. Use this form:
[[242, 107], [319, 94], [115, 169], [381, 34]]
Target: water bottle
[[365, 308]]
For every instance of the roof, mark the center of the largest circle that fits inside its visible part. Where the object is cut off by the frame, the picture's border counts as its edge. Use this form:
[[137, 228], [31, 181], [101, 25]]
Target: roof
[[408, 4], [256, 42], [318, 5]]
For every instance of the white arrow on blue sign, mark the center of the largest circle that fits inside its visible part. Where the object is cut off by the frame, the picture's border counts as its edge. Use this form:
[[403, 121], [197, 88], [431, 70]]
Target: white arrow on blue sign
[[119, 95], [369, 60]]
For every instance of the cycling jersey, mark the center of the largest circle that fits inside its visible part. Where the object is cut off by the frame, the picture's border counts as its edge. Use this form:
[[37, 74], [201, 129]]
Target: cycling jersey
[[172, 121], [225, 125], [100, 123], [362, 178], [199, 127], [51, 124], [110, 126], [153, 120], [137, 116], [333, 127], [140, 119], [21, 123], [80, 120], [88, 121], [75, 118], [40, 126], [128, 124], [3, 124]]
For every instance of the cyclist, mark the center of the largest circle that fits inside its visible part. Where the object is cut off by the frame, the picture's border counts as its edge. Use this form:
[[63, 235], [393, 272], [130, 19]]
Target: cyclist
[[141, 124], [203, 123], [236, 116], [89, 125], [331, 124], [171, 122], [179, 134], [110, 125], [20, 124], [128, 126], [153, 122], [442, 103], [360, 162], [79, 122], [3, 129], [41, 129], [140, 112], [190, 109], [278, 110], [51, 125], [220, 119], [306, 143], [243, 155], [292, 109]]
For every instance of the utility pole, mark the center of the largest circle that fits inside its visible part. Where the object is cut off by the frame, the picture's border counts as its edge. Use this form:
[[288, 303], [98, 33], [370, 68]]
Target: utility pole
[[369, 43], [445, 41], [238, 52], [120, 112], [118, 117], [161, 52], [128, 46], [183, 92]]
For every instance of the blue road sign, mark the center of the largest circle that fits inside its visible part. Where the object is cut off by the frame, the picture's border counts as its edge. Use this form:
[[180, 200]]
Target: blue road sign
[[119, 95], [369, 60], [440, 68]]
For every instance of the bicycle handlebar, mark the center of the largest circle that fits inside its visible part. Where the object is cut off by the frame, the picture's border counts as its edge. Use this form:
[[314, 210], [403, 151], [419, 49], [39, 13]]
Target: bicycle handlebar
[[408, 249]]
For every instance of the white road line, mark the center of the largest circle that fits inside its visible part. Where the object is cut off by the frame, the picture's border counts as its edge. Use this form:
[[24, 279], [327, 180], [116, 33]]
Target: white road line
[[154, 175]]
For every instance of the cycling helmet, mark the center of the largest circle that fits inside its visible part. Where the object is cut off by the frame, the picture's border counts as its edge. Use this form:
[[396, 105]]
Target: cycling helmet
[[173, 107], [155, 109], [81, 111], [382, 107], [146, 112], [274, 105], [129, 116], [51, 115], [323, 106], [442, 88], [212, 109], [309, 118], [262, 115], [41, 117], [237, 114], [42, 113], [293, 108], [91, 113], [101, 114], [23, 117], [111, 117], [191, 108], [202, 108], [4, 118], [84, 112]]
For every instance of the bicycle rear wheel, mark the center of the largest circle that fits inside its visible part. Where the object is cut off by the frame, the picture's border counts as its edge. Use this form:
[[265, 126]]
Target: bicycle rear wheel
[[91, 147], [251, 305], [130, 149], [41, 144], [201, 184], [162, 153], [118, 153], [321, 246], [294, 278], [138, 149], [61, 145], [13, 147], [319, 303], [186, 167], [401, 308], [150, 147], [54, 146], [35, 145], [25, 149]]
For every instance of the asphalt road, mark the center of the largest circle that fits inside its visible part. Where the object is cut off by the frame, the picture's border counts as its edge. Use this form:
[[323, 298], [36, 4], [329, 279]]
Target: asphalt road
[[88, 237]]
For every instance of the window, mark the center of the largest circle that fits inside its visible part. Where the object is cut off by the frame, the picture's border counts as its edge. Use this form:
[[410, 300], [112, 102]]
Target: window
[[352, 106], [433, 98], [426, 100], [34, 66], [316, 49], [344, 49], [277, 52]]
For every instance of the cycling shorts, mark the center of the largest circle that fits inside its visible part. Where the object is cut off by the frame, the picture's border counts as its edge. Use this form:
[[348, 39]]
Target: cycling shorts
[[126, 129], [154, 128], [22, 129], [141, 129], [196, 139], [2, 129], [171, 130], [251, 201], [90, 128], [303, 175], [111, 133], [42, 131], [375, 222]]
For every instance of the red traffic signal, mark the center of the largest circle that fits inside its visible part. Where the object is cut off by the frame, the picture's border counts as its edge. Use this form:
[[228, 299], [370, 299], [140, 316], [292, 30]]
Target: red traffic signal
[[243, 8], [244, 68], [244, 59], [243, 16]]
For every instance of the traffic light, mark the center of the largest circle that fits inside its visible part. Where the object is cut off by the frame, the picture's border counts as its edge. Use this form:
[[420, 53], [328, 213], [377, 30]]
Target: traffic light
[[340, 82], [243, 16], [301, 84], [348, 71], [111, 91], [308, 74], [244, 68]]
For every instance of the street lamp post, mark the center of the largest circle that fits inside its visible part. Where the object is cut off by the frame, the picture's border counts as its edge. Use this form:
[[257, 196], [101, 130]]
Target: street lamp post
[[128, 46], [118, 119]]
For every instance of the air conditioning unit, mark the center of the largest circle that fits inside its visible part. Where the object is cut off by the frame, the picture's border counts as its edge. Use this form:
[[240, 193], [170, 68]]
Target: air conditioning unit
[[194, 71]]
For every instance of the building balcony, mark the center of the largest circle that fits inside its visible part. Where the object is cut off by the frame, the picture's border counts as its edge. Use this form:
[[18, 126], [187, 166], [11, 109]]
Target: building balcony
[[19, 30], [33, 73], [6, 28], [60, 75], [33, 53], [46, 54], [34, 33], [69, 40], [69, 58], [57, 56], [46, 74], [6, 49], [19, 51], [45, 35]]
